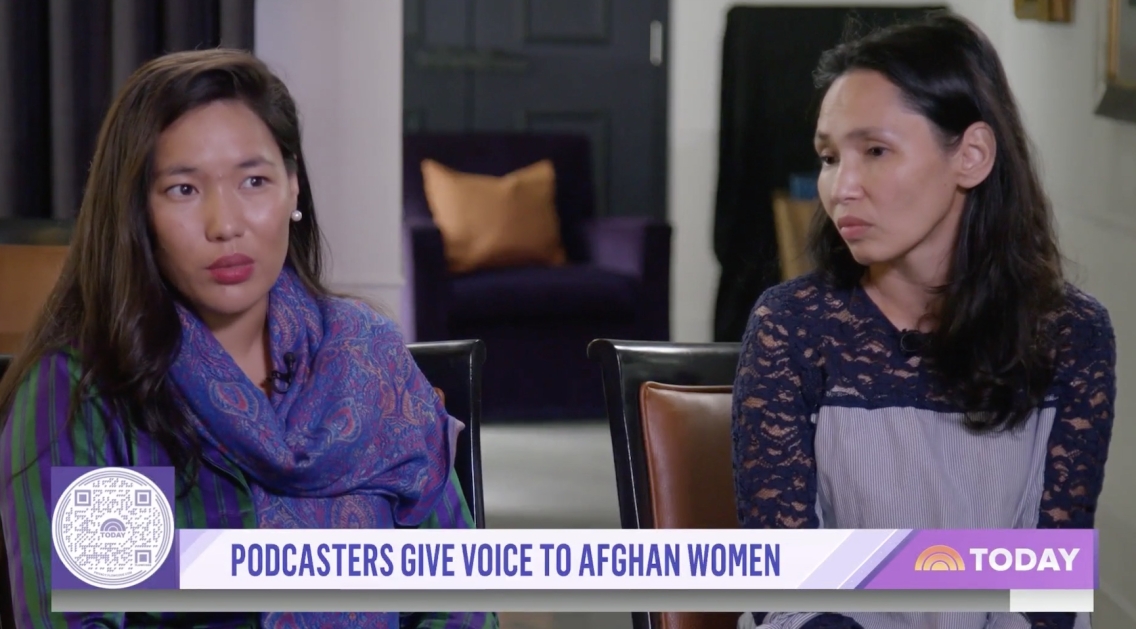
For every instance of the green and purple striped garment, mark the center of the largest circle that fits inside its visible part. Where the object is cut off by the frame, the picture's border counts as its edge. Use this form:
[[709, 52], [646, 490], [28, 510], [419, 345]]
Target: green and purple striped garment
[[34, 438]]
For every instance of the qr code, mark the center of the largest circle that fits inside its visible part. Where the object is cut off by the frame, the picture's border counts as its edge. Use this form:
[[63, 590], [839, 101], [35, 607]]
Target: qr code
[[112, 526]]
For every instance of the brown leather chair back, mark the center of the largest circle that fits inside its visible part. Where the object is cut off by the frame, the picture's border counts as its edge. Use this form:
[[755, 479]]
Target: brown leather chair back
[[669, 407], [688, 443]]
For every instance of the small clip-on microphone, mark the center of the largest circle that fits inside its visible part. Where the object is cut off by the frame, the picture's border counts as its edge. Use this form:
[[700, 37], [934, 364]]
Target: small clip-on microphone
[[912, 342], [282, 381]]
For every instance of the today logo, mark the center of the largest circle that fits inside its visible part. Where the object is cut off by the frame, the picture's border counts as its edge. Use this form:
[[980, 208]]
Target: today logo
[[944, 558], [939, 558]]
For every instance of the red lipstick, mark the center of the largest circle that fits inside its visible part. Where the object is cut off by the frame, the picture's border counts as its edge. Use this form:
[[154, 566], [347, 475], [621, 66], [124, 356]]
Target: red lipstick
[[231, 269]]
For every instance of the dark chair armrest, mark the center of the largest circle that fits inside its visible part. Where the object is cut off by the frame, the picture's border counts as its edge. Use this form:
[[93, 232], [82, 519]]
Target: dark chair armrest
[[641, 247], [427, 296]]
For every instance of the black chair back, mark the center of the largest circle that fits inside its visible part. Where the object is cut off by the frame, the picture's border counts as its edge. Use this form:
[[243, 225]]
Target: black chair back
[[626, 366], [455, 368]]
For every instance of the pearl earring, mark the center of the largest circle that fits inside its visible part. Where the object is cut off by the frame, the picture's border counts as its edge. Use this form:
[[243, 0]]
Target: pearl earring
[[296, 216]]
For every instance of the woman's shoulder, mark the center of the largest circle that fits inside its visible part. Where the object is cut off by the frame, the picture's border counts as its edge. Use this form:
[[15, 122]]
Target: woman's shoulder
[[368, 317], [1084, 327], [46, 385], [802, 299], [789, 320], [1083, 310], [57, 368]]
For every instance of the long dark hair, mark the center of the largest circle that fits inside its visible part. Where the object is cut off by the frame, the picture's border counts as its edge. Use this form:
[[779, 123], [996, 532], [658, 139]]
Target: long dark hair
[[993, 343], [110, 302]]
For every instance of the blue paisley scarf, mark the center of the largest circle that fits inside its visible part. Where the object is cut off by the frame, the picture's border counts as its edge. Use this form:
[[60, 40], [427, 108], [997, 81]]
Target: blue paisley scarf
[[358, 440]]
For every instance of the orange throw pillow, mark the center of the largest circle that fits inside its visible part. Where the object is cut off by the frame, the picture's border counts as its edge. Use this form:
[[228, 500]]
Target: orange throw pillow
[[492, 222]]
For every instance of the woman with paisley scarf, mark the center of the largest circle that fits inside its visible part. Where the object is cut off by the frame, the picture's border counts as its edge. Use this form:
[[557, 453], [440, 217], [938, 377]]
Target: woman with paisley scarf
[[190, 328]]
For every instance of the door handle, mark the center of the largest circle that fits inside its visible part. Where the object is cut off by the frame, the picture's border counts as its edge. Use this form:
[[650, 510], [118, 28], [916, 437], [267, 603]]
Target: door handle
[[656, 43], [472, 60]]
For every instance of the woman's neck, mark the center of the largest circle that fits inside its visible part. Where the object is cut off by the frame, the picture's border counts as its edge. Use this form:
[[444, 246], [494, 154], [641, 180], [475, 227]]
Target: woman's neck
[[245, 337], [905, 290], [904, 302]]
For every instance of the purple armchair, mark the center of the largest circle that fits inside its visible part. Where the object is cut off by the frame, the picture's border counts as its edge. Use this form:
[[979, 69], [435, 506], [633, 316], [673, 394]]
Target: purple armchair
[[536, 322]]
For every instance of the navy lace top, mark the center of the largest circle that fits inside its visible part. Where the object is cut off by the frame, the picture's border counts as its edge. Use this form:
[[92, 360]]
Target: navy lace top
[[839, 425]]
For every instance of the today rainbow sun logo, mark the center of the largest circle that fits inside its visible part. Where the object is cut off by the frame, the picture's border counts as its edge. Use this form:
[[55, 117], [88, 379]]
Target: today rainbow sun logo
[[939, 558]]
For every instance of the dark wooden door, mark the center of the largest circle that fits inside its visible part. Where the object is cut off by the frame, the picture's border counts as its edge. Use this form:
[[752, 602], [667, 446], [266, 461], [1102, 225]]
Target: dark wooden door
[[596, 67]]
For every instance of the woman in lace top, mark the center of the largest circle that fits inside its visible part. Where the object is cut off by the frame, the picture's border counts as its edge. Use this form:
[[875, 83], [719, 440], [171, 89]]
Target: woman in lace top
[[936, 371]]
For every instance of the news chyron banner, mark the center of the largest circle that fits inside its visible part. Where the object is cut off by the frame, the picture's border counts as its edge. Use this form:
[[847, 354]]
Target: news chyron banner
[[114, 530]]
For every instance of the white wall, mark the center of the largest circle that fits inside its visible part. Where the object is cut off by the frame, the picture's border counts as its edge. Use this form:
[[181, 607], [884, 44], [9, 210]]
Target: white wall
[[1089, 166], [342, 61]]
